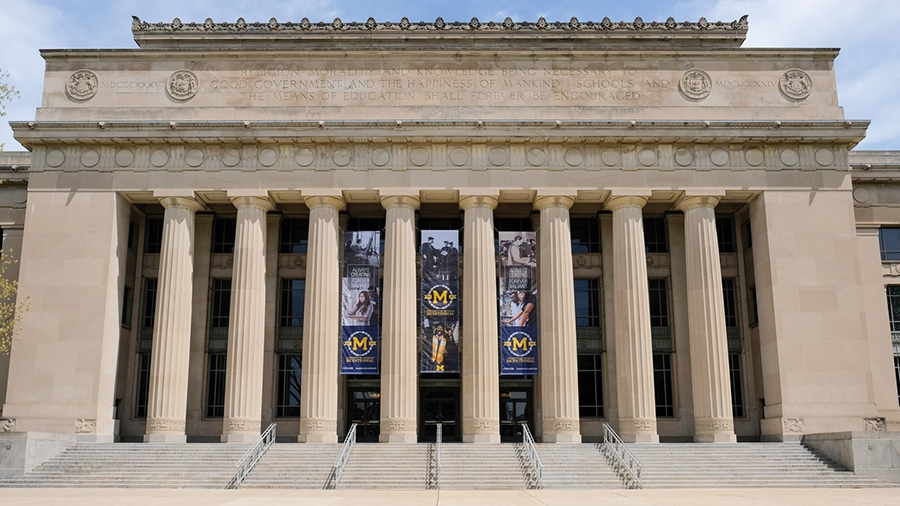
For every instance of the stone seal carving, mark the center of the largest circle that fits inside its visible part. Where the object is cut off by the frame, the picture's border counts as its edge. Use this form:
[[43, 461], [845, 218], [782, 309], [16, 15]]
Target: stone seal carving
[[82, 85], [182, 85], [795, 84], [695, 84]]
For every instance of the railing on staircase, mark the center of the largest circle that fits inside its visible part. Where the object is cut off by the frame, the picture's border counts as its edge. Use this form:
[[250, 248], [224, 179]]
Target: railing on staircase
[[623, 462], [433, 473], [245, 464], [533, 459], [338, 468]]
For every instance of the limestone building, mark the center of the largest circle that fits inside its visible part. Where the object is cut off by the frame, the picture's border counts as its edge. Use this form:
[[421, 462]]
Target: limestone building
[[707, 258]]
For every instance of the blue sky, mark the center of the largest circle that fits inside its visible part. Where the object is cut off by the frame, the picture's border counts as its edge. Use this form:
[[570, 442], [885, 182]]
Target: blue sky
[[868, 68]]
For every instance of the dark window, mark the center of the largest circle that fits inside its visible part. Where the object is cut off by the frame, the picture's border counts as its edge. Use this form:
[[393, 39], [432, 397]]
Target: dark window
[[729, 292], [513, 224], [215, 386], [153, 242], [893, 300], [746, 236], [889, 239], [655, 238], [288, 386], [133, 233], [221, 303], [662, 385], [149, 315], [737, 386], [725, 233], [590, 386], [223, 235], [659, 302], [142, 386], [585, 235], [587, 303], [127, 305], [752, 311], [294, 235], [897, 374], [293, 294]]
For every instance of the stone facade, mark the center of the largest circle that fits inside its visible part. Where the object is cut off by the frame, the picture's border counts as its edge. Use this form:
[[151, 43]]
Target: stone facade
[[740, 158]]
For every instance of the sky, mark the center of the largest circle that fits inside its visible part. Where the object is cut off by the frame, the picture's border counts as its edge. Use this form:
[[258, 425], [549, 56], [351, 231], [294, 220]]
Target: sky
[[868, 67]]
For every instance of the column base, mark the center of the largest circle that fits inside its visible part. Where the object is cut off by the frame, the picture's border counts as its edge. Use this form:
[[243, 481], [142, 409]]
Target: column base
[[165, 438], [562, 438], [240, 437], [638, 430], [317, 438], [481, 438], [398, 437]]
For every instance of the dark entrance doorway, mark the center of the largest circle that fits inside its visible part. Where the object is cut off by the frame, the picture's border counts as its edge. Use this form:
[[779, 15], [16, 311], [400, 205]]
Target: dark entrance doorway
[[364, 409], [439, 405], [515, 409]]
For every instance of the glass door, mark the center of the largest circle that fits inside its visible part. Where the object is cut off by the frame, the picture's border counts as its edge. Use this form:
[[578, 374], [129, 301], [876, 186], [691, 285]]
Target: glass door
[[515, 409], [439, 405], [365, 411]]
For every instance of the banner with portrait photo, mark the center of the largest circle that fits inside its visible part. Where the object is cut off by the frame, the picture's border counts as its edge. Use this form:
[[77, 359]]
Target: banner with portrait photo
[[439, 341], [360, 304], [519, 344]]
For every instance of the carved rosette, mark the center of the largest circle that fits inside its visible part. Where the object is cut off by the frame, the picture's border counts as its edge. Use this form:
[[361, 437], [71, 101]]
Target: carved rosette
[[7, 424], [795, 84], [82, 85], [182, 85], [695, 84]]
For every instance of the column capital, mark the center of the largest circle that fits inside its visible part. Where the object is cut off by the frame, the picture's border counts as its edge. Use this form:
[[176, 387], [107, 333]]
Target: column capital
[[252, 201], [689, 202], [188, 203], [401, 200], [543, 202], [469, 201], [335, 202], [620, 201]]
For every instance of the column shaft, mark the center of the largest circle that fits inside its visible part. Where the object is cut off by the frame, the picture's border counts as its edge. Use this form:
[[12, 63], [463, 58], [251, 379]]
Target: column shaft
[[480, 344], [634, 354], [559, 367], [167, 402], [321, 333], [246, 330], [398, 340], [713, 421]]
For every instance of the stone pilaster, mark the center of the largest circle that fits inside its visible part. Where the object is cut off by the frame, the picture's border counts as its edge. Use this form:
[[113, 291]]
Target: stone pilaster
[[713, 421], [167, 402], [480, 345], [399, 353], [634, 354], [559, 367], [246, 330], [321, 332]]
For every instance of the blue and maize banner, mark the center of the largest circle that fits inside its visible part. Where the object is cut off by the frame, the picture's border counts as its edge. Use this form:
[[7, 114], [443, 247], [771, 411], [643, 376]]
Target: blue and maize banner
[[519, 345], [439, 342], [361, 304]]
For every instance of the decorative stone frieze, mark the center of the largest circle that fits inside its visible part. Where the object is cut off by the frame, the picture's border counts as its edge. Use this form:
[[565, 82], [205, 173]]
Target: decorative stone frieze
[[793, 425], [7, 424], [85, 426]]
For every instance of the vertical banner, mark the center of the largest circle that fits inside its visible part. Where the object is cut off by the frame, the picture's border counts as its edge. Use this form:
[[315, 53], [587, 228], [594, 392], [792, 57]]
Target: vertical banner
[[518, 304], [439, 342], [360, 304]]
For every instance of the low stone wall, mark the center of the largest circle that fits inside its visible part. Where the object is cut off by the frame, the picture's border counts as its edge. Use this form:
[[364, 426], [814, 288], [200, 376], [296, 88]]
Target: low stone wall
[[23, 451], [875, 454]]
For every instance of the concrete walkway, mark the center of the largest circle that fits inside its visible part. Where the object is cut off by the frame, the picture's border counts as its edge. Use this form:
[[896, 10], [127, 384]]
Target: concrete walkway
[[693, 497]]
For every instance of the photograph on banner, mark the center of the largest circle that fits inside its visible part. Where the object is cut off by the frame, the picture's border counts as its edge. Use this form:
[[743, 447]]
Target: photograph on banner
[[360, 304], [439, 315], [519, 349]]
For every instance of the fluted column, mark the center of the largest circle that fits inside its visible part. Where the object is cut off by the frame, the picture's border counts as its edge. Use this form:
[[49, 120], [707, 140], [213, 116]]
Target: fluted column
[[321, 333], [480, 344], [634, 353], [713, 420], [559, 366], [399, 352], [167, 402], [246, 330]]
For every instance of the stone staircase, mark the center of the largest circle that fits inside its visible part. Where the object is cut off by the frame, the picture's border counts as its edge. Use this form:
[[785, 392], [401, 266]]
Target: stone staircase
[[578, 466], [741, 465], [385, 466], [293, 465], [135, 465], [482, 466]]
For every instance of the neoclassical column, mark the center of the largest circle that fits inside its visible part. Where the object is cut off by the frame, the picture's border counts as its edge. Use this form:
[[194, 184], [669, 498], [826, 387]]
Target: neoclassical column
[[167, 402], [559, 366], [399, 353], [246, 330], [321, 320], [713, 420], [480, 345], [634, 353]]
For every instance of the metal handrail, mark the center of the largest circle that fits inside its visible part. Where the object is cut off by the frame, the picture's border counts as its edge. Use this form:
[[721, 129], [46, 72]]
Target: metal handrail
[[338, 468], [624, 463], [438, 441], [532, 454], [245, 464]]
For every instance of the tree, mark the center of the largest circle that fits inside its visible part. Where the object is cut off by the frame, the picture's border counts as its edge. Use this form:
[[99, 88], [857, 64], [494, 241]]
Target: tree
[[10, 311], [7, 93]]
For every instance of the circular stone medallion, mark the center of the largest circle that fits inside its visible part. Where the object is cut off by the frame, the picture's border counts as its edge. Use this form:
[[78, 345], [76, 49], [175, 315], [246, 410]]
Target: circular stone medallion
[[795, 84], [718, 157], [82, 85], [754, 157], [380, 157], [459, 157], [695, 84], [55, 158], [194, 157], [341, 157], [419, 156], [268, 157], [789, 157], [647, 157], [498, 156], [90, 158], [536, 157], [182, 85], [304, 157], [231, 157], [684, 156], [610, 157], [159, 158], [574, 157], [124, 157], [824, 157]]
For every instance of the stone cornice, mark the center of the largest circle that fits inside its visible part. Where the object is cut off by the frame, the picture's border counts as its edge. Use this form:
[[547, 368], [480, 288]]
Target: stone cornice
[[178, 33]]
